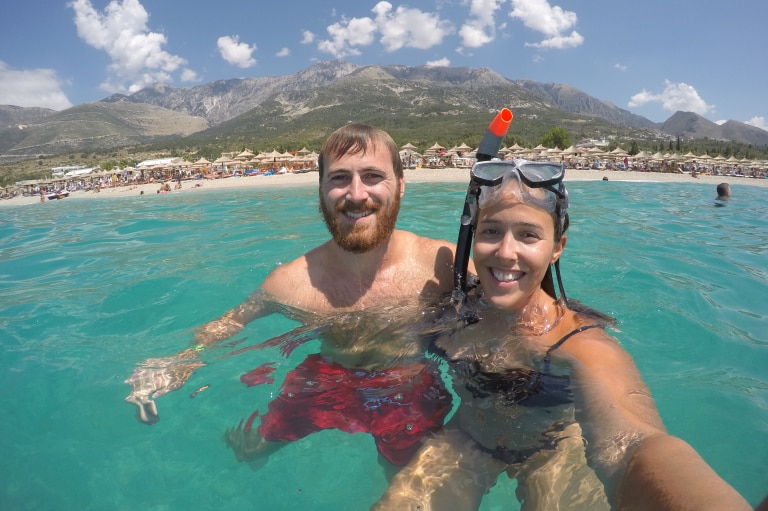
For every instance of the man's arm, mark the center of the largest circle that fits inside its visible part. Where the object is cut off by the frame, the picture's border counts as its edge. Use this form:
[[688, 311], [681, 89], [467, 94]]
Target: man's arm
[[156, 377], [234, 320]]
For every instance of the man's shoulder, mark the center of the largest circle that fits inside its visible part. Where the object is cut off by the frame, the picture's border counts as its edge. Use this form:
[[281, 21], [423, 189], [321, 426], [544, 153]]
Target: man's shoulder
[[287, 278], [432, 257], [422, 243]]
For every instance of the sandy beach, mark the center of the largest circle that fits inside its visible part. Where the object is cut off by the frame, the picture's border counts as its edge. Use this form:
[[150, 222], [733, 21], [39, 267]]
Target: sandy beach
[[451, 175]]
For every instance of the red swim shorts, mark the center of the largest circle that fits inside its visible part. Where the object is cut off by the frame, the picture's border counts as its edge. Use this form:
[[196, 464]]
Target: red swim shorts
[[398, 406]]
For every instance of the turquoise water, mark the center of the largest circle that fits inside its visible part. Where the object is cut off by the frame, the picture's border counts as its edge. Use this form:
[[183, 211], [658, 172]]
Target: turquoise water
[[88, 288]]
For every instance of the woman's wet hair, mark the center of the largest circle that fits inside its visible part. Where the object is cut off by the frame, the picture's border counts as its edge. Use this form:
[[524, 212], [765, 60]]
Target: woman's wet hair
[[354, 139], [561, 225]]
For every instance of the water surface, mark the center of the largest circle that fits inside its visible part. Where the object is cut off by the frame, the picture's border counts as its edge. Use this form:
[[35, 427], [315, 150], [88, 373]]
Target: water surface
[[88, 288]]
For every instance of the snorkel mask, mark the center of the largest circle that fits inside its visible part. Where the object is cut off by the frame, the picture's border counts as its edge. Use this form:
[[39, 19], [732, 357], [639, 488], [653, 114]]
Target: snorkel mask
[[537, 183], [530, 182]]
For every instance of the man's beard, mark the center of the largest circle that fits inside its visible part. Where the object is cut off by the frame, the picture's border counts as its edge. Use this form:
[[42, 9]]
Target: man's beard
[[361, 238]]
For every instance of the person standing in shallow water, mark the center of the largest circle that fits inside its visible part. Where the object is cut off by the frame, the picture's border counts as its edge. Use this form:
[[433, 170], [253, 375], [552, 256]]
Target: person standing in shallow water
[[547, 395], [352, 285]]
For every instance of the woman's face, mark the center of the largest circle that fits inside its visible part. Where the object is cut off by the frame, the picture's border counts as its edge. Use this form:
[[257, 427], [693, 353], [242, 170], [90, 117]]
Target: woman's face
[[514, 245]]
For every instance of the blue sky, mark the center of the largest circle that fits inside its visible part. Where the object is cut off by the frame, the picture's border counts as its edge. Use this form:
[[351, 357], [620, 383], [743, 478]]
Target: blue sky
[[651, 57]]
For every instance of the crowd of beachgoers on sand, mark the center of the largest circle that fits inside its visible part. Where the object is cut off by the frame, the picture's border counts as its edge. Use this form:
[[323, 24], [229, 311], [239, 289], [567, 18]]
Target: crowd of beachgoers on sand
[[166, 175]]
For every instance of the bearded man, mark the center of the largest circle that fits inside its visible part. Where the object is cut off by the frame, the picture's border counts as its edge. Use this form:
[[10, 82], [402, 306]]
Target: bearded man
[[362, 285]]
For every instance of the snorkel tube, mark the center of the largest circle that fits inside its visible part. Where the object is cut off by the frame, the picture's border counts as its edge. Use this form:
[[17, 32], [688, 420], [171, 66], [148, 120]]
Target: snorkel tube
[[487, 150]]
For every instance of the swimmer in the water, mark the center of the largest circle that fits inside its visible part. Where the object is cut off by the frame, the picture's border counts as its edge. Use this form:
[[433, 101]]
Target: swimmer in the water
[[723, 191], [547, 395]]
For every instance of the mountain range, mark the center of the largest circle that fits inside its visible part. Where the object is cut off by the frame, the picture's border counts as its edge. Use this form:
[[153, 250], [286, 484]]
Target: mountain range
[[411, 102]]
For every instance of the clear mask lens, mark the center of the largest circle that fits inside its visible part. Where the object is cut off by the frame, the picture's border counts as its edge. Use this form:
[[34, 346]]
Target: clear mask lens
[[532, 173], [541, 172], [512, 188]]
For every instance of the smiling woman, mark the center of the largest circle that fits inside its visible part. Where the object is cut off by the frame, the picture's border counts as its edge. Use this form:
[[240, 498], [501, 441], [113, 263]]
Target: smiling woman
[[546, 394]]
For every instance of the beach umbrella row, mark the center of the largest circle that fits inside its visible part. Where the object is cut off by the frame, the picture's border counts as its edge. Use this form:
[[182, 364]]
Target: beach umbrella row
[[409, 151]]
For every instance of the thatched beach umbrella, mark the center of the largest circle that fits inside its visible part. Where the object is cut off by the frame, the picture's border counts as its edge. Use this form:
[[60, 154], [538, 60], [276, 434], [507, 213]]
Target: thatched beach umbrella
[[202, 162], [434, 150], [618, 153], [222, 162], [244, 156], [642, 156]]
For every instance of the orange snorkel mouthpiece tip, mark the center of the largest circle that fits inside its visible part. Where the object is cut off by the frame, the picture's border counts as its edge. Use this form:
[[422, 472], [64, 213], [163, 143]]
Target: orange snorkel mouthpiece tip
[[501, 122]]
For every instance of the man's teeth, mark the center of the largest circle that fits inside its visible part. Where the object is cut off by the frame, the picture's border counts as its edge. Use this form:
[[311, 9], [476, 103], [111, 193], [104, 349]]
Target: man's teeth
[[506, 276], [359, 214]]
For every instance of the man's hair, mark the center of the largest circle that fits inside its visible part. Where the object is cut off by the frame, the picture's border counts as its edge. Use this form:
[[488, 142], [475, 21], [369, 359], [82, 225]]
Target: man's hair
[[357, 138], [723, 189]]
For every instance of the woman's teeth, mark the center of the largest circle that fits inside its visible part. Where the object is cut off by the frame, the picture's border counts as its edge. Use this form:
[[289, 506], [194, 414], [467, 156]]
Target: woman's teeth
[[506, 276]]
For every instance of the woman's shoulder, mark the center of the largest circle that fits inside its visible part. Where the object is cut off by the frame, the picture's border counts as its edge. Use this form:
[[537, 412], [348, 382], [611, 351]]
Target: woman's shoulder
[[585, 336]]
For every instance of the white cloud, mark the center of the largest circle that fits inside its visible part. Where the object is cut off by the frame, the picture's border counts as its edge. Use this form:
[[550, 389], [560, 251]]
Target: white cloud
[[187, 75], [412, 28], [347, 35], [403, 27], [480, 29], [758, 122], [484, 10], [236, 53], [560, 42], [307, 37], [675, 97], [443, 62], [284, 52], [31, 88], [475, 34], [550, 21], [620, 67], [137, 55]]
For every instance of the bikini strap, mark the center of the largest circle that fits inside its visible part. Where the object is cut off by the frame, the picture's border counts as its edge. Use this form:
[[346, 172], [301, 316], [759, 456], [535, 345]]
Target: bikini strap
[[548, 354]]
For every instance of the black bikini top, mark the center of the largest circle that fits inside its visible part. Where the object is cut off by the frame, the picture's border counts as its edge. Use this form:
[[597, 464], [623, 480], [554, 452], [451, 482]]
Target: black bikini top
[[516, 386]]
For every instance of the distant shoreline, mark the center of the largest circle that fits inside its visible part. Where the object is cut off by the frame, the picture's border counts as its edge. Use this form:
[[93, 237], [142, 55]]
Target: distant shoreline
[[449, 175]]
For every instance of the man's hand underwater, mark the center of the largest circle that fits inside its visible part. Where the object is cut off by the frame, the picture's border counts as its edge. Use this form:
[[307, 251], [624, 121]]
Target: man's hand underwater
[[156, 377]]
